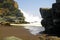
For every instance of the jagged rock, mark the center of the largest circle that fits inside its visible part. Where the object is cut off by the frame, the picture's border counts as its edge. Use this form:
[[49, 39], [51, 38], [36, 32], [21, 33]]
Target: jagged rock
[[51, 20]]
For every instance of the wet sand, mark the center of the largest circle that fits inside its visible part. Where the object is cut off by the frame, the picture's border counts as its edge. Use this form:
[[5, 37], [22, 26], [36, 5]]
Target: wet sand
[[20, 32]]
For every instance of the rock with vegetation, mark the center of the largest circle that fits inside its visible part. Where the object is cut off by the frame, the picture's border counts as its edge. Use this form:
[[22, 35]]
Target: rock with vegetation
[[9, 12]]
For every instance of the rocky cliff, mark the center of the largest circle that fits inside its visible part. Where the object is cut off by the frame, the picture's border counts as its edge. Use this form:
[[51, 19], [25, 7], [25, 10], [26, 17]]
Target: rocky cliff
[[9, 12]]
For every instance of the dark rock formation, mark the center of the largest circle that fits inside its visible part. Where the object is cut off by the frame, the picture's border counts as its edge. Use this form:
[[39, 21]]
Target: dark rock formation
[[51, 19]]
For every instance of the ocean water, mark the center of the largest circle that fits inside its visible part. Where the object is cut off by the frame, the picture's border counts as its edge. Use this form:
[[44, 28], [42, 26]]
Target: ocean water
[[35, 29]]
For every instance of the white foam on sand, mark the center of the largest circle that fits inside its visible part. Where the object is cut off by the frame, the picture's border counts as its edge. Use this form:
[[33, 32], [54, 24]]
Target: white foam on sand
[[35, 30]]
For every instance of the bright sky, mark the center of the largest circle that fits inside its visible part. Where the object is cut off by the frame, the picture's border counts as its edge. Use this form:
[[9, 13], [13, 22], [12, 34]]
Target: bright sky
[[31, 8]]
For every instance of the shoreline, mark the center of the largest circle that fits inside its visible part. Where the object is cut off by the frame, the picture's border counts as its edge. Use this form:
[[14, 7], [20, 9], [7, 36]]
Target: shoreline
[[26, 25], [20, 32]]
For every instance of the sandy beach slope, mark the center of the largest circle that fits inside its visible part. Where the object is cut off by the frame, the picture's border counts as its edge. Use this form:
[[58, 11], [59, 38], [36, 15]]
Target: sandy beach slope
[[20, 32]]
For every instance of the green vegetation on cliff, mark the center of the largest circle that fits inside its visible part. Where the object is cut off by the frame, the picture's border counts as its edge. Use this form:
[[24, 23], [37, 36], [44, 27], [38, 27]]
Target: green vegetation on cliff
[[9, 12]]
